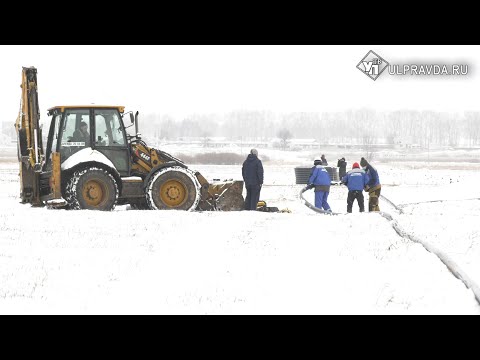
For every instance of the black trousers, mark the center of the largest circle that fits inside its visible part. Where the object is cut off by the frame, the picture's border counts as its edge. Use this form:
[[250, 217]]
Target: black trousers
[[253, 195], [352, 195]]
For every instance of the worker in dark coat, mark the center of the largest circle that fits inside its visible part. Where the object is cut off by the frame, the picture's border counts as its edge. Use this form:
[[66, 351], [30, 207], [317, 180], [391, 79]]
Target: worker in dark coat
[[373, 186], [356, 180], [324, 160], [342, 167], [252, 172], [320, 180]]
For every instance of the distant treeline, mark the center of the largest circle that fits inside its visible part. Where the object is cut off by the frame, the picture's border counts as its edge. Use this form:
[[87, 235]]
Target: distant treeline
[[362, 126]]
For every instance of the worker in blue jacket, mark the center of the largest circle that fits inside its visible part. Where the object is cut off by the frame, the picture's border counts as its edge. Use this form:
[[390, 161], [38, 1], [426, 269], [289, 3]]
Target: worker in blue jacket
[[356, 180], [373, 186], [320, 180]]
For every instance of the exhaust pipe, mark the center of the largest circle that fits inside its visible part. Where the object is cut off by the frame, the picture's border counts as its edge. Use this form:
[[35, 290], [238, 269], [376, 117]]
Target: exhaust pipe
[[136, 125]]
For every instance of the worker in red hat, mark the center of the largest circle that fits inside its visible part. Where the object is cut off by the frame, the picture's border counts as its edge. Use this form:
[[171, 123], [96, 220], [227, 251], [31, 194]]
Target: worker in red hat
[[355, 179]]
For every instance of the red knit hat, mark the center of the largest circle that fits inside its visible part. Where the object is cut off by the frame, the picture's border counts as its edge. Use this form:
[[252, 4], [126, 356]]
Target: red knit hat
[[355, 166]]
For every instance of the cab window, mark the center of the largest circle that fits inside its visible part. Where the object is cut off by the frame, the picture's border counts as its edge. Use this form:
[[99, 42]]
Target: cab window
[[108, 128], [75, 133]]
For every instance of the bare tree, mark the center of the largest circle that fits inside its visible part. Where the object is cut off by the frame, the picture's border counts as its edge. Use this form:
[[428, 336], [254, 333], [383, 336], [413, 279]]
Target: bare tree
[[285, 135], [472, 127], [206, 138], [394, 127], [366, 120], [168, 127]]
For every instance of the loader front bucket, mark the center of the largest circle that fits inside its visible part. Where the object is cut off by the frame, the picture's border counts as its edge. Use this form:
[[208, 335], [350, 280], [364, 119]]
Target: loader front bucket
[[220, 195], [229, 193]]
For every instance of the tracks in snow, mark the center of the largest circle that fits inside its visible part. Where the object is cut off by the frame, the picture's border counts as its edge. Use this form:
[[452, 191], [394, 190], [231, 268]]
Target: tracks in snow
[[444, 258], [430, 201]]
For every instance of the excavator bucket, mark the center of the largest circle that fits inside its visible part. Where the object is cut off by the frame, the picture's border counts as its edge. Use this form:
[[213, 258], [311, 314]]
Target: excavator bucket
[[220, 195], [230, 196]]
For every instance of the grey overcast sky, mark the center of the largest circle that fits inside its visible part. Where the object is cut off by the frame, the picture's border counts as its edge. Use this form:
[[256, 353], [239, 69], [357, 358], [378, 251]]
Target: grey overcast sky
[[180, 80]]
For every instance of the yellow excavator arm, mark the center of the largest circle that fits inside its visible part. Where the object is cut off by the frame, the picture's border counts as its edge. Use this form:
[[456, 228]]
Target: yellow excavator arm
[[29, 138]]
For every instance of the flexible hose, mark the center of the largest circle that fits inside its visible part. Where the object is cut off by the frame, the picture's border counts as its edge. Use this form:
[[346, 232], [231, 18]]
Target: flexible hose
[[311, 206]]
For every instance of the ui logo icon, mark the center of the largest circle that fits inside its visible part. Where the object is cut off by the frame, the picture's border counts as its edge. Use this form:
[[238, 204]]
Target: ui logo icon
[[372, 65]]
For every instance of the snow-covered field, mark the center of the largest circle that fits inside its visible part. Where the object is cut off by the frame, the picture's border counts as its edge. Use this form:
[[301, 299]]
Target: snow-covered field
[[170, 262]]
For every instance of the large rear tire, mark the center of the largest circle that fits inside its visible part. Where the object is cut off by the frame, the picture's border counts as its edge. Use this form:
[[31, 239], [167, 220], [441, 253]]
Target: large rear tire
[[173, 188], [91, 188]]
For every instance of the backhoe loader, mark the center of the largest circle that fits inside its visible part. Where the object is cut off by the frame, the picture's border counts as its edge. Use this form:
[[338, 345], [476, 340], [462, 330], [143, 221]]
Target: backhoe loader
[[91, 162]]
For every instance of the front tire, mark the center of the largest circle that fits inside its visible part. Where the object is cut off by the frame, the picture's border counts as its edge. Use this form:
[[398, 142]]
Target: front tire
[[91, 188], [173, 188]]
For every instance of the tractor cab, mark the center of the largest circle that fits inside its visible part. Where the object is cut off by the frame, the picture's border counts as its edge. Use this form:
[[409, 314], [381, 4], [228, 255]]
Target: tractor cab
[[78, 131]]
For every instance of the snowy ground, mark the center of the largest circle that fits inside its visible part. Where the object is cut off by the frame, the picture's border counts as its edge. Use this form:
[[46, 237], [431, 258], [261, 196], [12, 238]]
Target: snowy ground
[[169, 262]]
